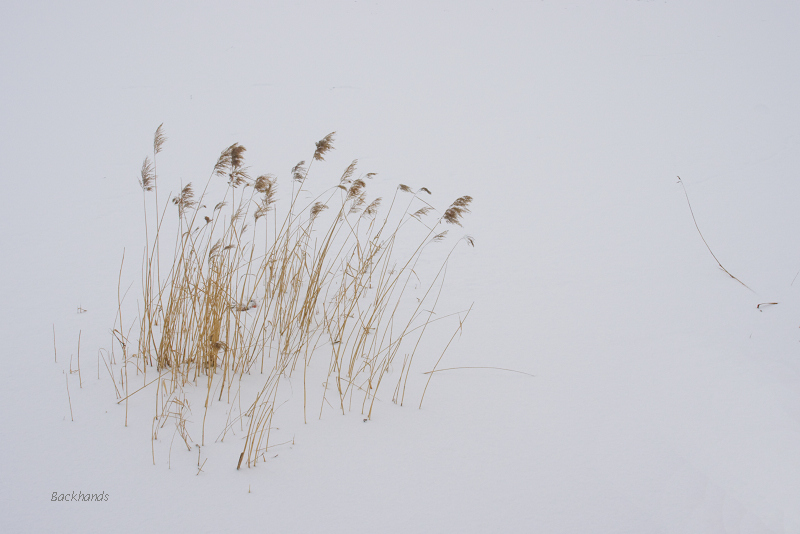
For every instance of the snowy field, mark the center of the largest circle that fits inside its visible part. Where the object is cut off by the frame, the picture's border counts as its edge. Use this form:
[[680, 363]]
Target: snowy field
[[664, 398]]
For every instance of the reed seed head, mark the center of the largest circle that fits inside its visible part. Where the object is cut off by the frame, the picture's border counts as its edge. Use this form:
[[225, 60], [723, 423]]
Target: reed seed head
[[457, 209], [324, 145], [372, 209], [237, 155], [159, 138], [356, 189], [348, 172], [316, 209], [264, 183], [148, 179], [215, 248], [185, 200], [238, 214], [299, 172], [463, 201], [229, 164], [359, 201], [421, 212]]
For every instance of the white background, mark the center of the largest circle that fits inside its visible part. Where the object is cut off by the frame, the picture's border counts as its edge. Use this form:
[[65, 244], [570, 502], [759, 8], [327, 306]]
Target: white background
[[663, 401]]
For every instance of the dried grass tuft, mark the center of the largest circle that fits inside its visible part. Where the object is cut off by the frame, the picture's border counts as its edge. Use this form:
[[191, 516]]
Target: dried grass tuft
[[264, 297]]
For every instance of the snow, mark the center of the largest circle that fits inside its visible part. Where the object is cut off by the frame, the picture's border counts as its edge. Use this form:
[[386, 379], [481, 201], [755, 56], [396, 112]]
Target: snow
[[663, 399]]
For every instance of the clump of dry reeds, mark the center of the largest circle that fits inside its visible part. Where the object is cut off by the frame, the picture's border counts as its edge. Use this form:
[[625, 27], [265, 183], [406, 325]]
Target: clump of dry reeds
[[247, 293]]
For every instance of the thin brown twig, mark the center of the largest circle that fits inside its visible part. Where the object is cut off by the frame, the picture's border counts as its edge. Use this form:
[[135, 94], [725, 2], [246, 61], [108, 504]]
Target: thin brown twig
[[704, 239]]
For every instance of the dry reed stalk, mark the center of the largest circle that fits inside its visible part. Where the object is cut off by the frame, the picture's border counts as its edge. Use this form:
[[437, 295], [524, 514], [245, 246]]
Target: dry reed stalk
[[69, 398], [430, 373], [80, 380], [120, 338]]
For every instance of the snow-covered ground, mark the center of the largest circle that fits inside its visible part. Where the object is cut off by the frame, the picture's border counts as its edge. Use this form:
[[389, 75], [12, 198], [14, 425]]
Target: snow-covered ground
[[663, 399]]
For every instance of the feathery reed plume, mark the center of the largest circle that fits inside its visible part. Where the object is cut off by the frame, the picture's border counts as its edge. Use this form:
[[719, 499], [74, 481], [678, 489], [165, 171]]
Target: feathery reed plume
[[370, 175], [316, 209], [457, 209], [229, 164], [424, 189], [359, 201], [159, 138], [215, 248], [238, 174], [238, 177], [372, 209], [267, 185], [439, 237], [356, 189], [470, 240], [264, 183], [185, 200], [223, 162], [148, 177], [463, 201], [299, 172], [420, 212], [324, 145], [405, 188], [348, 172], [237, 158], [238, 215]]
